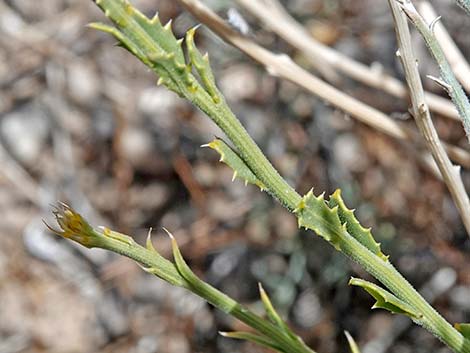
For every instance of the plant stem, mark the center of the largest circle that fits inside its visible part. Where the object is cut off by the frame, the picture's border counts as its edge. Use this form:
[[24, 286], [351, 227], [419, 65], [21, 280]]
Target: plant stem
[[389, 276], [381, 270], [422, 116], [221, 114], [464, 4], [449, 82], [152, 260]]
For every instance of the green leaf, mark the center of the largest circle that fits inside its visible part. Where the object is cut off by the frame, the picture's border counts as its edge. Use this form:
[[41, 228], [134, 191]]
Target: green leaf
[[202, 66], [386, 300], [352, 343], [154, 44], [258, 339], [270, 311], [233, 160], [198, 286], [464, 329], [354, 228], [313, 213]]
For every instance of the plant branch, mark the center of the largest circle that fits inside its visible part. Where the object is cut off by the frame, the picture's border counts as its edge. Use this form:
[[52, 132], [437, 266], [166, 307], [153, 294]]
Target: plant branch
[[74, 226], [335, 223], [282, 65], [448, 80], [454, 56], [276, 18], [450, 173], [464, 4]]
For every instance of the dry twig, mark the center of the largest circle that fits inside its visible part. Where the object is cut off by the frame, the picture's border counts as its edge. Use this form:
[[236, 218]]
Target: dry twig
[[282, 65], [453, 54], [450, 173], [447, 80], [276, 18]]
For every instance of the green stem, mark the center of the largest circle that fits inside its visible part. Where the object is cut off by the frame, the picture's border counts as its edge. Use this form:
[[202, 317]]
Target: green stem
[[184, 84], [169, 272], [248, 150], [388, 275], [381, 270]]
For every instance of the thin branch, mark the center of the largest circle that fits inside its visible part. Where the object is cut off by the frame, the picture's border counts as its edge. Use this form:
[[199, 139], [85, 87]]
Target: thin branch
[[450, 173], [276, 18], [453, 54], [464, 4], [453, 88], [282, 65]]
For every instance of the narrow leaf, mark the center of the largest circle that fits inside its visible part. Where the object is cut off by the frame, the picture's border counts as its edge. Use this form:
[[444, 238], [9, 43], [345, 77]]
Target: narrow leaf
[[352, 343], [258, 339], [386, 300], [354, 228], [233, 160], [198, 286], [270, 311], [202, 66]]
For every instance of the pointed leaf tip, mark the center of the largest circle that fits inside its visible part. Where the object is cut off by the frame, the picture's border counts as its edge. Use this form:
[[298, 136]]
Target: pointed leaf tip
[[352, 343], [255, 338], [234, 161], [385, 299], [314, 213], [148, 243], [353, 227]]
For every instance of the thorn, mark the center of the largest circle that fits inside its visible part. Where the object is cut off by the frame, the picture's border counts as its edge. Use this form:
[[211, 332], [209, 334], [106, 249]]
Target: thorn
[[167, 27], [433, 23], [440, 82], [146, 269], [205, 145], [168, 233], [155, 19], [160, 81], [234, 176], [149, 243]]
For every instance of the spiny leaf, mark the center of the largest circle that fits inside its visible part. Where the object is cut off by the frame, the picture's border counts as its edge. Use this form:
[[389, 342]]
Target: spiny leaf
[[352, 343], [202, 66], [464, 329], [154, 44], [386, 300], [313, 213], [258, 339], [354, 228], [233, 160]]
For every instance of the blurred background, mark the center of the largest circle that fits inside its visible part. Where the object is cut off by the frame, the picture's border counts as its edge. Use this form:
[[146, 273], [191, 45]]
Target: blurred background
[[82, 121]]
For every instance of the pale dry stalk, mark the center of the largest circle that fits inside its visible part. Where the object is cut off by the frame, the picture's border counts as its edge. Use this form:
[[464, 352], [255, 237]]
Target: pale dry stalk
[[420, 110], [277, 19], [282, 66]]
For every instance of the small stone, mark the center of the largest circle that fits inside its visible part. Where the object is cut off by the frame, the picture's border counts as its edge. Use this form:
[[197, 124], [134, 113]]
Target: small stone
[[82, 82], [25, 132]]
